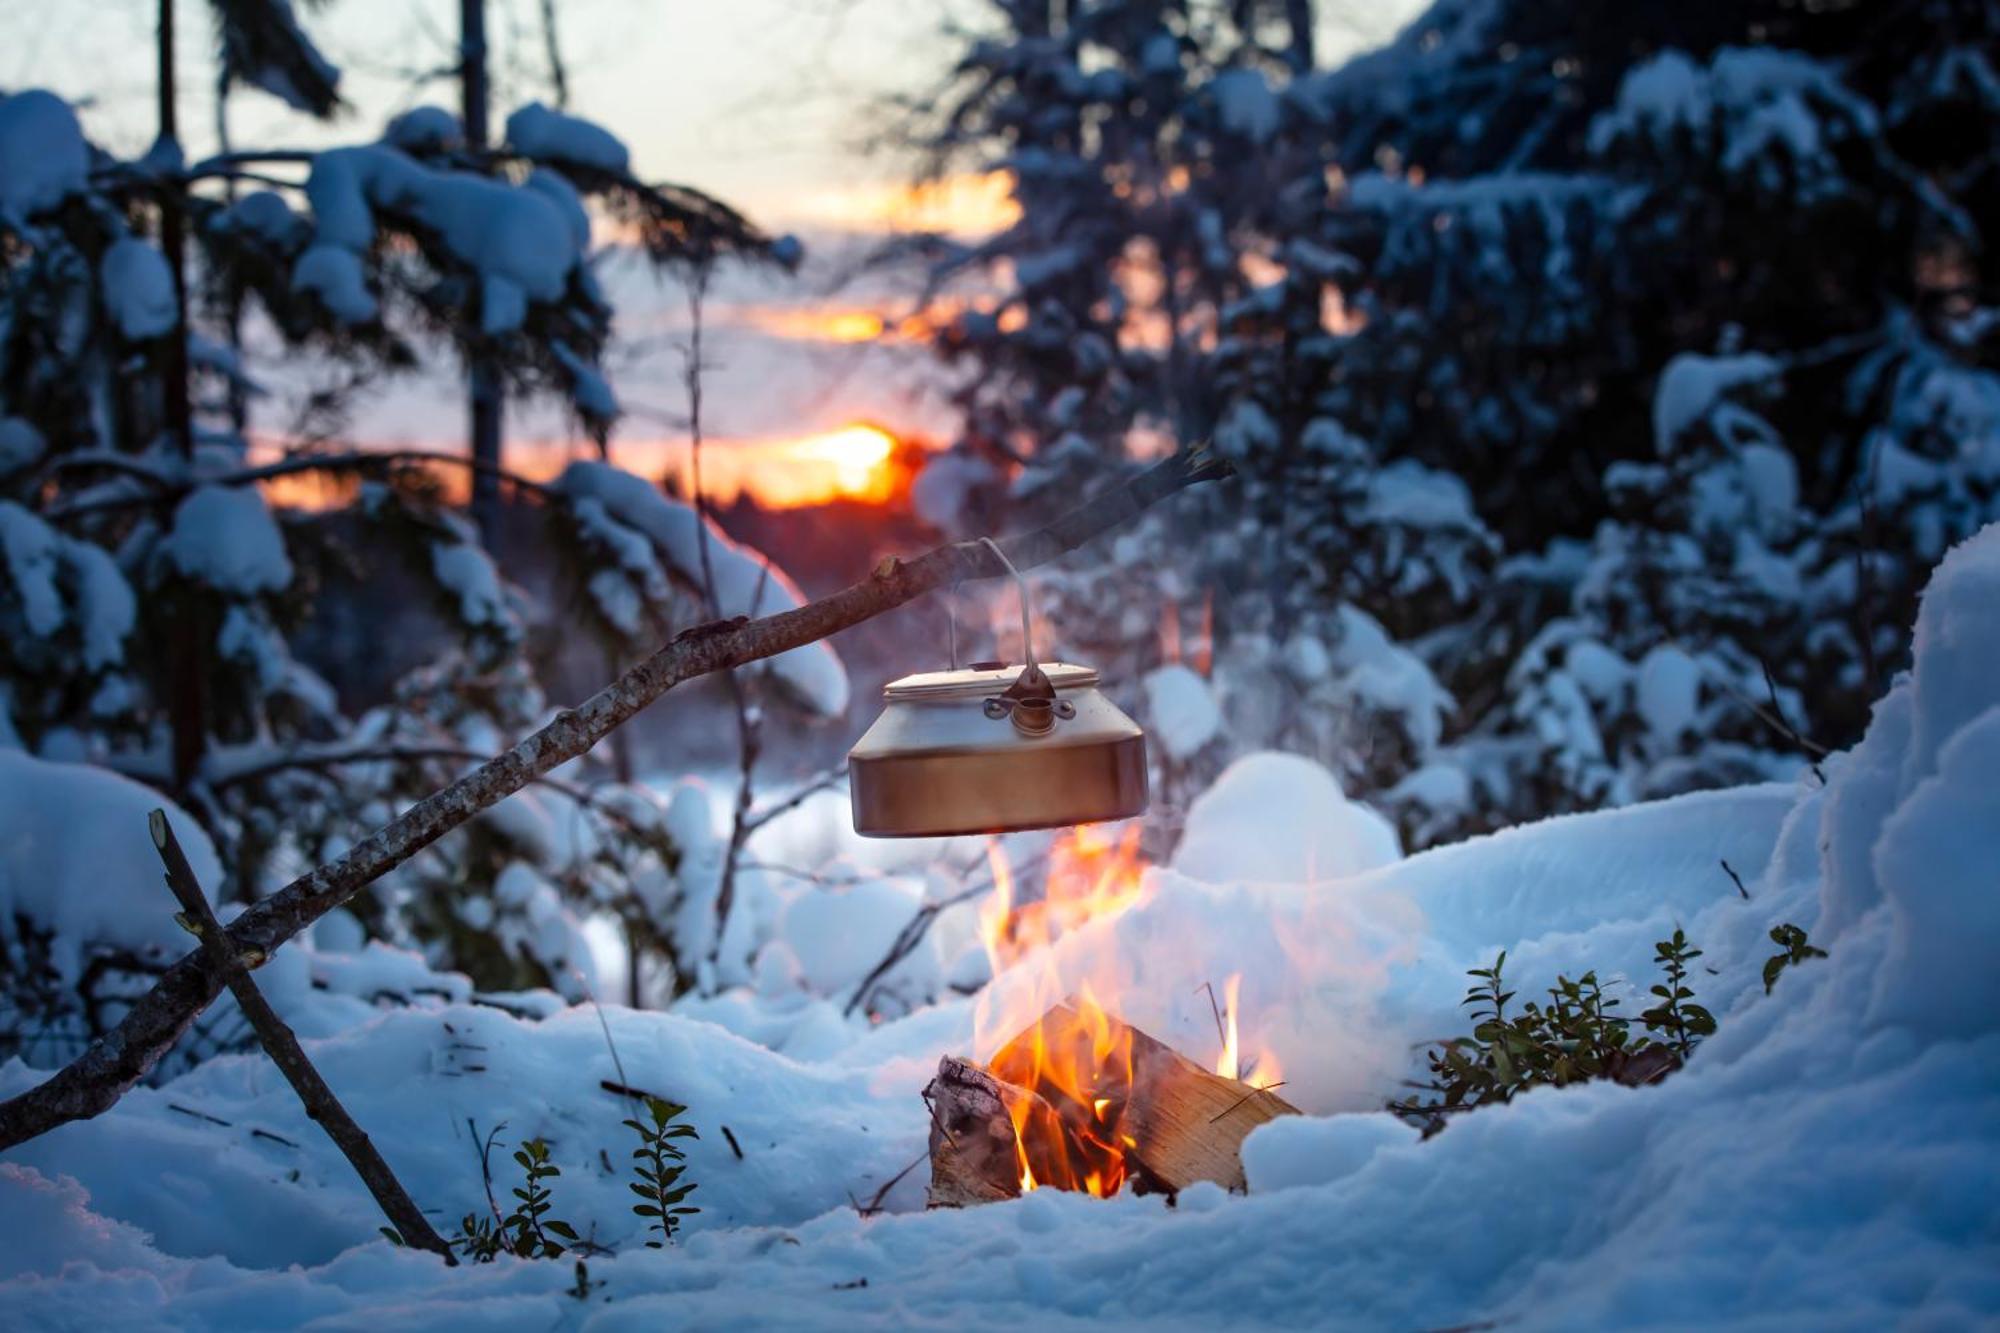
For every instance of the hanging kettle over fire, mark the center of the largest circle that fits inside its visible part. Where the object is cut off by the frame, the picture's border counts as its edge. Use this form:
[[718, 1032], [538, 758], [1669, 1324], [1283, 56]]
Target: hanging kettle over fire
[[992, 748]]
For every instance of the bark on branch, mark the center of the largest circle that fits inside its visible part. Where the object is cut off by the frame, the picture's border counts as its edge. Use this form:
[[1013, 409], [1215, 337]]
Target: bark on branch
[[282, 1045], [95, 1080]]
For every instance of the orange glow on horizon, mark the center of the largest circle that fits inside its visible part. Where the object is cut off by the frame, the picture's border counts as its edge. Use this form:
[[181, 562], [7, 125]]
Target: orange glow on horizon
[[960, 205], [850, 324], [855, 462]]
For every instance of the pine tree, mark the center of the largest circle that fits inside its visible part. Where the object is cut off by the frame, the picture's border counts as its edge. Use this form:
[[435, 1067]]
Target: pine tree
[[130, 549]]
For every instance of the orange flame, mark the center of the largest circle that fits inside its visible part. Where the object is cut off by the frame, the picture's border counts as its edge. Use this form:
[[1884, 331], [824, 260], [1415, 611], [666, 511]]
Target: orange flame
[[1231, 993], [1070, 1052]]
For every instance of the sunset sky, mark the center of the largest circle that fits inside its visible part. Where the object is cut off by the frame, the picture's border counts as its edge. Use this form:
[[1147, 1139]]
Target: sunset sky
[[776, 106]]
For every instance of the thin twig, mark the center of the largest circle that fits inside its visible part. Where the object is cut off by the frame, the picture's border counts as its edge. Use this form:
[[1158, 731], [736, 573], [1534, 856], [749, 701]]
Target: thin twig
[[1220, 1036], [486, 1164], [912, 934], [1244, 1098], [734, 1146], [626, 1090], [1738, 879], [282, 1045], [874, 1204], [833, 777]]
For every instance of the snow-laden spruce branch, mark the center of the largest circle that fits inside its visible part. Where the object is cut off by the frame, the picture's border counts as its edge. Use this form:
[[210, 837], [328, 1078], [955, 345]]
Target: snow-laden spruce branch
[[95, 1080]]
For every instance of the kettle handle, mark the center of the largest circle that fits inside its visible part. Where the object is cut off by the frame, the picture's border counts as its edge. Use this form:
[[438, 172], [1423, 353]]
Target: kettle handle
[[1030, 668]]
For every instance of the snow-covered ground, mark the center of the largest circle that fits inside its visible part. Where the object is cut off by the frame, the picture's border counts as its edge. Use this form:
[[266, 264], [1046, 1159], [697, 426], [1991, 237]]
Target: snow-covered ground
[[1829, 1159]]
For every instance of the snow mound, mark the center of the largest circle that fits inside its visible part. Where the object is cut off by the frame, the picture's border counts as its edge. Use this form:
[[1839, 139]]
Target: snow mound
[[1308, 831]]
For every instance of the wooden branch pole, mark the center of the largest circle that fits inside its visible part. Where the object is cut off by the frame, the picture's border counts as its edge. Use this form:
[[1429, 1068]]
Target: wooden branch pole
[[95, 1080], [282, 1045]]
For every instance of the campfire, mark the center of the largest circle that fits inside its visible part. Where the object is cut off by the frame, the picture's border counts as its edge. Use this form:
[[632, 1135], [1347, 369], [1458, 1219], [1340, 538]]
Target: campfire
[[1077, 1098]]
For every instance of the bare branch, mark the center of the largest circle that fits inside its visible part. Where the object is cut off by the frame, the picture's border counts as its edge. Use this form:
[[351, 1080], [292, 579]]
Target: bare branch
[[95, 1081], [282, 1045]]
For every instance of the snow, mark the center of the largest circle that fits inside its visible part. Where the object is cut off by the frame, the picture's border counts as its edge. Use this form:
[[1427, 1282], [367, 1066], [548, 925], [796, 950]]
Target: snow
[[1245, 103], [1660, 96], [227, 538], [44, 565], [43, 156], [1309, 832], [1669, 691], [424, 129], [834, 934], [1692, 386], [746, 584], [943, 492], [21, 445], [138, 289], [335, 277], [547, 135], [466, 570], [589, 390], [1180, 711], [265, 213], [516, 238], [1827, 1159], [75, 855]]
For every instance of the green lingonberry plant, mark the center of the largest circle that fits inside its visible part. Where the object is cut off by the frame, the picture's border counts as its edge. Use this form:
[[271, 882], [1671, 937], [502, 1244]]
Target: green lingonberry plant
[[1684, 1024], [660, 1164], [1797, 948], [479, 1239], [1574, 1038], [530, 1221]]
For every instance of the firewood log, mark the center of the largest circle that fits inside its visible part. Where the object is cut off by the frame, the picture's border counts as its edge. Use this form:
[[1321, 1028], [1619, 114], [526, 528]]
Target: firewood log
[[1186, 1123], [1183, 1123]]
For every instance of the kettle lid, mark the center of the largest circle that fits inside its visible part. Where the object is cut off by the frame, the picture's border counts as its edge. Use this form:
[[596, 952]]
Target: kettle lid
[[980, 681]]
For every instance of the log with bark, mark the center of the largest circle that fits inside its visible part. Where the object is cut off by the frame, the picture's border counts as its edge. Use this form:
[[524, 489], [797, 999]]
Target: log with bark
[[1173, 1122], [95, 1080]]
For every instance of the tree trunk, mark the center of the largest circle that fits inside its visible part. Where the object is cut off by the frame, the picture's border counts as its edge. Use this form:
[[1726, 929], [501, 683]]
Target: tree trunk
[[186, 667], [486, 397]]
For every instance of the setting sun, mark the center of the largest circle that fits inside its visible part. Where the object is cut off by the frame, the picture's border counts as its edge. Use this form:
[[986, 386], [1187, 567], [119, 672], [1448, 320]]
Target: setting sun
[[851, 462]]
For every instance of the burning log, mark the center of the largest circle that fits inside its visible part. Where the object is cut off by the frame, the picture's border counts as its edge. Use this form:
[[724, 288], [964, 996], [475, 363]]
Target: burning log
[[1082, 1100]]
